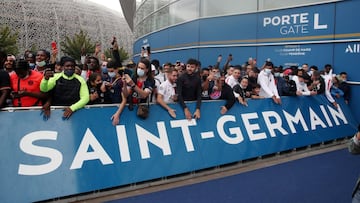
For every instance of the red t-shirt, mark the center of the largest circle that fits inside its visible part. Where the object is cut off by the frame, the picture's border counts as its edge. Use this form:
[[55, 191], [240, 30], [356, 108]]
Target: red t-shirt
[[29, 84]]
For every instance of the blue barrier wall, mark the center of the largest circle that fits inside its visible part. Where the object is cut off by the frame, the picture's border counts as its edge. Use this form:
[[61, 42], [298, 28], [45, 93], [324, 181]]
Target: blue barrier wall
[[47, 159]]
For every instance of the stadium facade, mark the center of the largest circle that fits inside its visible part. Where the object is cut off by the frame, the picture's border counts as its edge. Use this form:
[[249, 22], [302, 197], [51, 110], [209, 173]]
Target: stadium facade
[[39, 22]]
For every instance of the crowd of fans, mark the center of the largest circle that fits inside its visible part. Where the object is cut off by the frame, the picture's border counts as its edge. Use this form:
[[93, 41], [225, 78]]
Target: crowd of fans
[[39, 80]]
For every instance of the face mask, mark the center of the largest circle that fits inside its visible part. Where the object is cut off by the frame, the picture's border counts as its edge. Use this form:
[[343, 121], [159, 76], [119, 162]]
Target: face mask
[[104, 69], [69, 72], [204, 77], [302, 83], [32, 65], [140, 72], [98, 85], [83, 74], [277, 74], [41, 63], [267, 71], [111, 74], [217, 75]]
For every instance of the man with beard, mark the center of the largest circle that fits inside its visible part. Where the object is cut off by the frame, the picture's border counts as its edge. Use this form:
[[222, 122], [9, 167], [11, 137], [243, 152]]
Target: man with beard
[[167, 91], [9, 64], [189, 89]]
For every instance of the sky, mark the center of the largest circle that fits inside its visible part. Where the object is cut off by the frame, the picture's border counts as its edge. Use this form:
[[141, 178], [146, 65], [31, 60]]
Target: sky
[[112, 4]]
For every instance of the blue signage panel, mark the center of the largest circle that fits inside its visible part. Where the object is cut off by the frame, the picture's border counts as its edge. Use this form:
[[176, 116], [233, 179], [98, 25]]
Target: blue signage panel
[[296, 23], [47, 159], [296, 55], [235, 29], [347, 14]]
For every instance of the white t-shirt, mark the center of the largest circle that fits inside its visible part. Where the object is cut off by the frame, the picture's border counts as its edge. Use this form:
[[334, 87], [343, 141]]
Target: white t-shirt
[[231, 81], [167, 90], [267, 83]]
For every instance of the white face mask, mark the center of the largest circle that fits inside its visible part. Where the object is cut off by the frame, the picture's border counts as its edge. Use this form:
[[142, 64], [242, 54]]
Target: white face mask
[[140, 72], [277, 74], [41, 63], [267, 71], [111, 74], [83, 74]]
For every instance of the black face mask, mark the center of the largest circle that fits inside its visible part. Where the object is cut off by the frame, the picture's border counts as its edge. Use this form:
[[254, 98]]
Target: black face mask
[[98, 85], [204, 77], [69, 72]]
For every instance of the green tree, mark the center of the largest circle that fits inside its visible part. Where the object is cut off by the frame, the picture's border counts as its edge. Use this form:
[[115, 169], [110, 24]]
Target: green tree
[[8, 40], [123, 54], [81, 42]]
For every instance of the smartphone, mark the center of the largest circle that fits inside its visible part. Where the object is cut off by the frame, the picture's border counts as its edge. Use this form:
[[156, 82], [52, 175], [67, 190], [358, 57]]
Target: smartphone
[[114, 40], [53, 45]]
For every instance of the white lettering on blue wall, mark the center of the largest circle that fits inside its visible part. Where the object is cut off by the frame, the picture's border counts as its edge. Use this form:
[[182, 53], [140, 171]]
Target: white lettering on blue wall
[[297, 23], [27, 146], [230, 129]]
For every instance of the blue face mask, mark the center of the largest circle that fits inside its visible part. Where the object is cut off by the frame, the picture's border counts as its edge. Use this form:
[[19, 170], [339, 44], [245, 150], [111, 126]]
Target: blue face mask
[[69, 72], [32, 65], [140, 72]]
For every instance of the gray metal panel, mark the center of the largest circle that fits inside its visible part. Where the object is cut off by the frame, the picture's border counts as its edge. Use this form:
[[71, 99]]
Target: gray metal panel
[[128, 8]]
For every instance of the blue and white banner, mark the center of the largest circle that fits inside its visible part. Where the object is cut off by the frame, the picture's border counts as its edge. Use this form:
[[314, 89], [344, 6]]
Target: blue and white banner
[[47, 159]]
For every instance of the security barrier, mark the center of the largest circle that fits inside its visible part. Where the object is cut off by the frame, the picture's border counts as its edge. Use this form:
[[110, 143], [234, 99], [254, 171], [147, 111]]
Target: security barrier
[[45, 159]]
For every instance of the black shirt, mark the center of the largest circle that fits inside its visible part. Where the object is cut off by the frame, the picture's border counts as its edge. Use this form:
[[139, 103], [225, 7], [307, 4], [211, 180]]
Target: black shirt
[[4, 86], [189, 89]]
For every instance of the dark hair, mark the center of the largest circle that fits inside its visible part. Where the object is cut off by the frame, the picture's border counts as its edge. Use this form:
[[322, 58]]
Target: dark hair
[[204, 69], [96, 59], [148, 67], [343, 73], [112, 64], [328, 66], [314, 67], [66, 59], [244, 78], [269, 63], [359, 127], [193, 61], [93, 76], [30, 55], [22, 64], [256, 86], [47, 53], [156, 63]]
